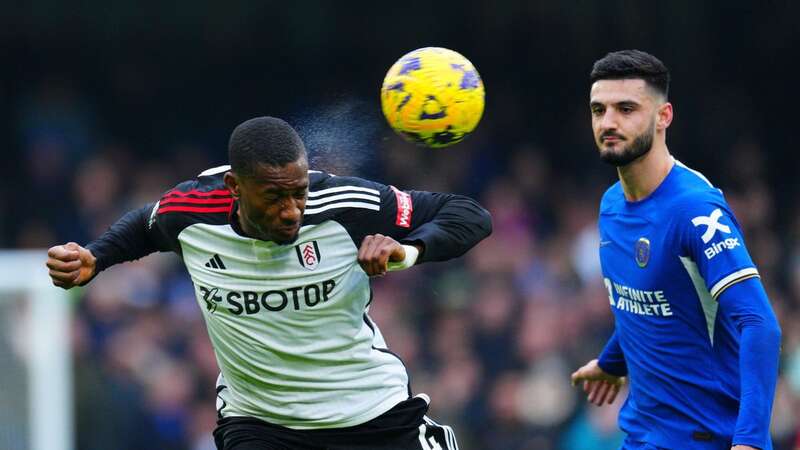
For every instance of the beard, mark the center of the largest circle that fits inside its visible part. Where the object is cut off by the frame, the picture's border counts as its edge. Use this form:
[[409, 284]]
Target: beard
[[640, 146]]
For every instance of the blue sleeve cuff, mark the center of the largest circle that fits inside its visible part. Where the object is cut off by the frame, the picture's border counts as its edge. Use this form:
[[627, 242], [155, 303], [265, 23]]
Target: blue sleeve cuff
[[616, 368], [751, 442], [612, 360]]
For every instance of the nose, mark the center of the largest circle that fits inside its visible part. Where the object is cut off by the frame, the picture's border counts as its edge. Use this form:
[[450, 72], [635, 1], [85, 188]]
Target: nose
[[608, 121], [291, 211]]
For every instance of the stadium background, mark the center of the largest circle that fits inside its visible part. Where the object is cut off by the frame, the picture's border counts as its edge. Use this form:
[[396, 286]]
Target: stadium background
[[107, 104]]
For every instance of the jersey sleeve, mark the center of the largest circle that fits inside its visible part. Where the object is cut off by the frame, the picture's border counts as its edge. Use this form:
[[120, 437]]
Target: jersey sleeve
[[446, 225], [711, 237], [156, 226], [611, 359], [746, 305], [132, 237]]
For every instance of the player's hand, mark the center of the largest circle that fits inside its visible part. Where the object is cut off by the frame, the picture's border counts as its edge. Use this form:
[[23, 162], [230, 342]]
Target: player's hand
[[70, 265], [599, 386], [376, 251], [743, 447]]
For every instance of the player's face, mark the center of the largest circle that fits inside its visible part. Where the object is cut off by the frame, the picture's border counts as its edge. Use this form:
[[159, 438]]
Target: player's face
[[624, 116], [271, 203]]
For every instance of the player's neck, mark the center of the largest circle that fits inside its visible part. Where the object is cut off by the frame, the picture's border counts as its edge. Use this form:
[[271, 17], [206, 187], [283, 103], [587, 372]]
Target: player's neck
[[641, 177], [249, 230]]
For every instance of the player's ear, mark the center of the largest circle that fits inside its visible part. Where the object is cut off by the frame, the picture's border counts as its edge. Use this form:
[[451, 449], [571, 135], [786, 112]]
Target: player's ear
[[664, 116], [232, 183]]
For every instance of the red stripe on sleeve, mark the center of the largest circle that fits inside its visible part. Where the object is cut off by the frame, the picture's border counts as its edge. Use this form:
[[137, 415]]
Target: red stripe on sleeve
[[196, 209], [204, 201], [197, 192]]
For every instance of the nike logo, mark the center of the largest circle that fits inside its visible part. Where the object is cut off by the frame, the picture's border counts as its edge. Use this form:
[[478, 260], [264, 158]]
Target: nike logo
[[604, 243]]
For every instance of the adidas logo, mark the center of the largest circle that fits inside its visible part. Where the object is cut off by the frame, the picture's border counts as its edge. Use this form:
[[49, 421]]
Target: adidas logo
[[215, 262]]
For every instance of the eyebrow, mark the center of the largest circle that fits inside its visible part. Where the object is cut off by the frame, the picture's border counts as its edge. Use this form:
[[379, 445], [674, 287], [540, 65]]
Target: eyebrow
[[619, 103]]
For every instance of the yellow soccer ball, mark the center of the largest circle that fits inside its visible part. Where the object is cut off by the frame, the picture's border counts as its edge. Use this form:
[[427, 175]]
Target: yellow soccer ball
[[433, 96]]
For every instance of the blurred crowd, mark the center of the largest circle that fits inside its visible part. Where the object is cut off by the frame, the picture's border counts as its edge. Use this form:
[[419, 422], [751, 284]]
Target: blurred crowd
[[491, 337]]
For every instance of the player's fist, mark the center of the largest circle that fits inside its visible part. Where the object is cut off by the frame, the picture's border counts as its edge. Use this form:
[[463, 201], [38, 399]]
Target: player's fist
[[599, 386], [70, 265], [376, 251]]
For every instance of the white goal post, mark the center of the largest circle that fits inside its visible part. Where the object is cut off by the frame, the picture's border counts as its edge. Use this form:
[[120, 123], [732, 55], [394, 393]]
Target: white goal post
[[35, 344]]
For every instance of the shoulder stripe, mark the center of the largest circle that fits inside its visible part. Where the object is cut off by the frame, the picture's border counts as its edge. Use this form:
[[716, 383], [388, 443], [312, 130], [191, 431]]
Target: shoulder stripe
[[215, 170], [730, 280], [204, 201], [333, 198], [199, 193], [342, 189], [197, 209], [699, 175], [361, 205]]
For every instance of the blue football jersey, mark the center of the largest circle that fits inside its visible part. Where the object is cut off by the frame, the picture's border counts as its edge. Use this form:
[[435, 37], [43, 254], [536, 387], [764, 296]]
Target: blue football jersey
[[665, 260]]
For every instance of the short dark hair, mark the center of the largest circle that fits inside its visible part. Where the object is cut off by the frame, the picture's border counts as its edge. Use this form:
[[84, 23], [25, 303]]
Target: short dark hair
[[263, 140], [628, 64]]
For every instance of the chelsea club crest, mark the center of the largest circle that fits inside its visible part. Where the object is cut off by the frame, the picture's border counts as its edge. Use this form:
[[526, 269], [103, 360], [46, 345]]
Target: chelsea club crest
[[642, 252]]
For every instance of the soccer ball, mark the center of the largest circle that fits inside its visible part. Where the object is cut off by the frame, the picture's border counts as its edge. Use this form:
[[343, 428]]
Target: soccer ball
[[433, 96]]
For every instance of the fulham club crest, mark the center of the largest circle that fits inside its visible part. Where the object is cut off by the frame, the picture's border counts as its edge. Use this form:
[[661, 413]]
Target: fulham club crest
[[308, 255]]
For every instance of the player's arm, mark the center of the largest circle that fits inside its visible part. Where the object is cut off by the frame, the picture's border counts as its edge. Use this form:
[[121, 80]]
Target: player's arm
[[445, 226], [431, 226], [713, 241], [419, 227], [611, 359], [128, 239], [747, 306]]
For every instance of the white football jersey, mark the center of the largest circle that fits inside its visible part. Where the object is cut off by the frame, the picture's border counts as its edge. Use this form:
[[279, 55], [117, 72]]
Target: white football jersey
[[289, 323]]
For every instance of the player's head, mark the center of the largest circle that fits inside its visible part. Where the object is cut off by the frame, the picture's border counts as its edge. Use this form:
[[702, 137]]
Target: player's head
[[629, 106], [269, 176]]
